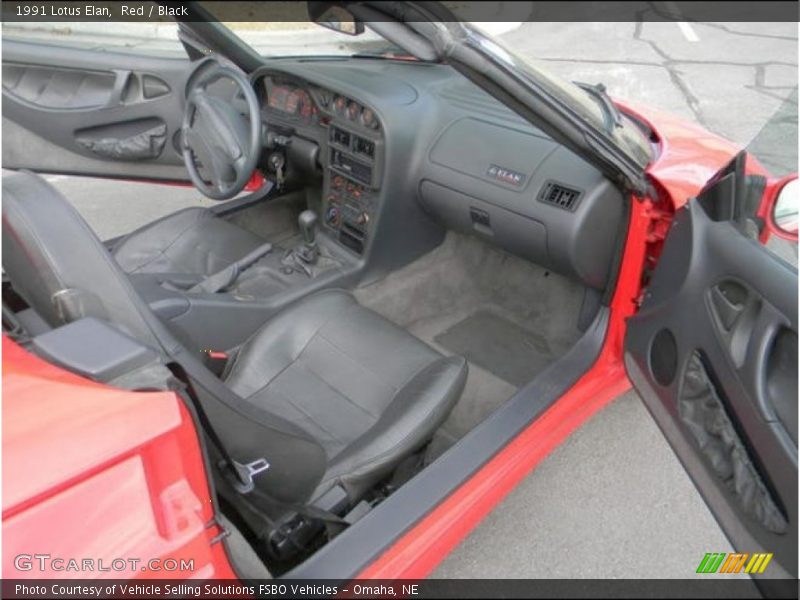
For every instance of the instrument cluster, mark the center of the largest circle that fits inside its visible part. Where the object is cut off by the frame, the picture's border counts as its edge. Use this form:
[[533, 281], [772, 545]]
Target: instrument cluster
[[353, 111], [305, 104]]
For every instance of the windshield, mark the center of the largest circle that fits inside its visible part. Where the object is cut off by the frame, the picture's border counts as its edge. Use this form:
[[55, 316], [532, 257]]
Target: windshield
[[304, 38], [275, 29]]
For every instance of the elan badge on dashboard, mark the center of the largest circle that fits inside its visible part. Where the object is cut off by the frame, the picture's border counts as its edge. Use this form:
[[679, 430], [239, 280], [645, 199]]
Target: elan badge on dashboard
[[506, 175]]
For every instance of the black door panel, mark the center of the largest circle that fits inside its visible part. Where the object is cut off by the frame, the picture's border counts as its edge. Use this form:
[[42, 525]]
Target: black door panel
[[713, 352], [91, 112]]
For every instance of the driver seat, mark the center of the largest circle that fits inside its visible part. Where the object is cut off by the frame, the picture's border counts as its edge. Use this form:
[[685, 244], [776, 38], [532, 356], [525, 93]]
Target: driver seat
[[191, 241], [328, 393]]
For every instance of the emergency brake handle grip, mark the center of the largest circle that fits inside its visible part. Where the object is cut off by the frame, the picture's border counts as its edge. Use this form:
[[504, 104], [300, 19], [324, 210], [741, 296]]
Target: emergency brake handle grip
[[219, 281]]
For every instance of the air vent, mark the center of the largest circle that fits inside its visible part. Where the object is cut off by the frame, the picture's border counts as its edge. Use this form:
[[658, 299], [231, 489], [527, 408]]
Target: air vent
[[559, 195]]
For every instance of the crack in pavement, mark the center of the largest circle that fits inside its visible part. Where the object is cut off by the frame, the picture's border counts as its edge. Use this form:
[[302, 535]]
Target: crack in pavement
[[770, 36], [674, 17], [681, 71], [755, 74], [674, 74], [672, 66]]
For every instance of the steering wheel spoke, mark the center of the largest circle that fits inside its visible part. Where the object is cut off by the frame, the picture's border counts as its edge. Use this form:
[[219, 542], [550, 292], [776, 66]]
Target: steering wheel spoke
[[239, 166]]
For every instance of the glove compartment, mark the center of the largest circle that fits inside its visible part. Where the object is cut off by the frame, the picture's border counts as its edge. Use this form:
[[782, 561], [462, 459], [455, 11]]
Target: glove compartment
[[517, 189]]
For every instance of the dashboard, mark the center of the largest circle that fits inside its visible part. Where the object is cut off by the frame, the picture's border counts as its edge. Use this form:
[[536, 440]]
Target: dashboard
[[348, 137], [407, 151]]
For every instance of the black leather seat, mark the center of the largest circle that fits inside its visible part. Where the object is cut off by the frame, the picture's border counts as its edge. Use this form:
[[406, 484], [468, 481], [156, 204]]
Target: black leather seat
[[193, 240], [367, 391], [327, 391]]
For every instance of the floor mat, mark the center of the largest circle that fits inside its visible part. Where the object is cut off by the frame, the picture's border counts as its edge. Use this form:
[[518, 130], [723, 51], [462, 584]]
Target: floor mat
[[503, 348]]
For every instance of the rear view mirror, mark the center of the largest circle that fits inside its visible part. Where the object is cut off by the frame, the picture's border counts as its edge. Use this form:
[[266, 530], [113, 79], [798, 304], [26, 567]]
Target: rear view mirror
[[337, 18], [786, 208]]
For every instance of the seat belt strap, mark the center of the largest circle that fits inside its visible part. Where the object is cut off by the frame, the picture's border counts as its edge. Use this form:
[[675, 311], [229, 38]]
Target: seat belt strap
[[224, 278], [241, 476]]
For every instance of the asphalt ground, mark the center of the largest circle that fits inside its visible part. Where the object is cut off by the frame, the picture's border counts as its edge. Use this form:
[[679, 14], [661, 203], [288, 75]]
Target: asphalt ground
[[612, 501]]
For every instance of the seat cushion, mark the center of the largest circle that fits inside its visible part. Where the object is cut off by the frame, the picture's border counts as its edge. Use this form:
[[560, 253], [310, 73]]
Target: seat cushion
[[193, 240], [366, 390]]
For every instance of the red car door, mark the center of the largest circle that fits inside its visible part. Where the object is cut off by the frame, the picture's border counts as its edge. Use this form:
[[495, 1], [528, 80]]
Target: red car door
[[713, 353], [101, 482]]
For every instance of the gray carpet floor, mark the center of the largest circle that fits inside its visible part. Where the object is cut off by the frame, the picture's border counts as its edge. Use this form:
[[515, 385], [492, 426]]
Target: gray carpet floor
[[503, 348], [508, 317]]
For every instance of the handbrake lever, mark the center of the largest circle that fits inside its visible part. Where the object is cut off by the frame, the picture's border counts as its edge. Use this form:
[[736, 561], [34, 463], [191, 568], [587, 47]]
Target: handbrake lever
[[224, 278]]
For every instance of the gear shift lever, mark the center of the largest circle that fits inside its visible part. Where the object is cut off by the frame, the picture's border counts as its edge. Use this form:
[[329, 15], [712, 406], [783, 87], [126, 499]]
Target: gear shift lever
[[308, 252], [307, 220]]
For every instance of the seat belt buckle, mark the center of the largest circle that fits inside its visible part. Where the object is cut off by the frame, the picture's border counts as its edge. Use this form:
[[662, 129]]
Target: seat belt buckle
[[244, 482]]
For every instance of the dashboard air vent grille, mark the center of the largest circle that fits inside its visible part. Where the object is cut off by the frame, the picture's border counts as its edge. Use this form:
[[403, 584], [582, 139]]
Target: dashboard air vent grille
[[559, 195]]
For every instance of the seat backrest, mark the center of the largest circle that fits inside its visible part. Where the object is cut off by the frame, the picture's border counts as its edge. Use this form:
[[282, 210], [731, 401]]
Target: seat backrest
[[59, 266]]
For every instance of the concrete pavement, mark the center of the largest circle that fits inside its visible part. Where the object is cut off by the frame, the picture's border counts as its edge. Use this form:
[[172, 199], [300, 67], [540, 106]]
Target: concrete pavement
[[611, 502]]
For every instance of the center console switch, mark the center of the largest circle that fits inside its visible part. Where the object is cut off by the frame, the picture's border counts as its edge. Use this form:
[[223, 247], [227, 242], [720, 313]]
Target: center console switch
[[351, 184], [348, 212]]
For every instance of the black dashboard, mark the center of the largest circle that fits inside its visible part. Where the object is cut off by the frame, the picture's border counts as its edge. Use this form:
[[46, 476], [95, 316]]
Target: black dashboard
[[406, 151]]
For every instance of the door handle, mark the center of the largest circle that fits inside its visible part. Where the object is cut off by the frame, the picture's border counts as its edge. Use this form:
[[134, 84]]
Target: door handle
[[735, 309], [728, 300]]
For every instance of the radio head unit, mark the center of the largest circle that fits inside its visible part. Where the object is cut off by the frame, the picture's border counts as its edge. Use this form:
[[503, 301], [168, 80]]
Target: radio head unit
[[350, 167]]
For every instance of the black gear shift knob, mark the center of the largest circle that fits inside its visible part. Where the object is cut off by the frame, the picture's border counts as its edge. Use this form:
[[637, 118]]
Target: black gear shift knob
[[307, 220]]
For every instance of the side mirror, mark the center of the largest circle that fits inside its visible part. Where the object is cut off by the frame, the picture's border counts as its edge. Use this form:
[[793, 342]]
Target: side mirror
[[783, 211], [787, 207], [337, 18]]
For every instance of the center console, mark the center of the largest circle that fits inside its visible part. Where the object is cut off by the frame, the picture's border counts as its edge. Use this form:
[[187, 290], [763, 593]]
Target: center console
[[351, 185]]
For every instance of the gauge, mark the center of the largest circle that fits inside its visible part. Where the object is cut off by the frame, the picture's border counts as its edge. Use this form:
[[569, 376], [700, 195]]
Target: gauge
[[306, 105], [339, 105], [293, 101], [353, 111], [278, 97], [368, 118]]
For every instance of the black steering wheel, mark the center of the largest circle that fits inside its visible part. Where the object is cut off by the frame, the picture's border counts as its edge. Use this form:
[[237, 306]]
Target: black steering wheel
[[220, 146]]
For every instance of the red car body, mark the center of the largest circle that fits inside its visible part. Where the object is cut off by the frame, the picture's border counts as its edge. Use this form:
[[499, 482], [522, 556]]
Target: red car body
[[138, 460]]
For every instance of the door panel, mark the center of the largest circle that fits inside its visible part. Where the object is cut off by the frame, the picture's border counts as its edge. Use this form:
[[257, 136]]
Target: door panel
[[713, 353], [91, 112]]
